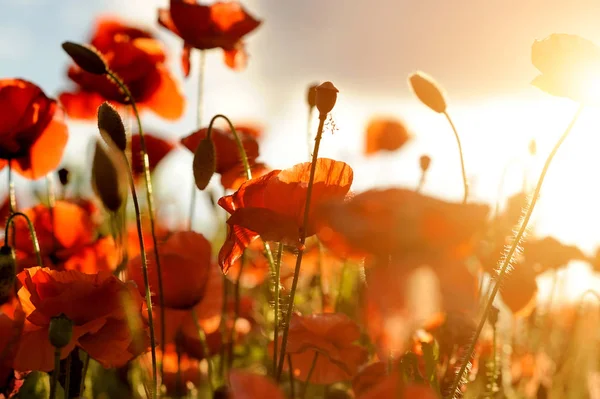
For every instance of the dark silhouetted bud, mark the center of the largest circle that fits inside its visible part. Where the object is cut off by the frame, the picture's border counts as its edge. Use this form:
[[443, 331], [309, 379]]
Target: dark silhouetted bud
[[111, 124], [311, 95], [325, 98], [60, 331], [532, 148], [109, 177], [428, 91], [425, 162], [8, 269], [204, 164], [63, 176], [86, 57]]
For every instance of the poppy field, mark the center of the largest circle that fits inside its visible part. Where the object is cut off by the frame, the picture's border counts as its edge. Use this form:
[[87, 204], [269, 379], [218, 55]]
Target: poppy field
[[307, 287]]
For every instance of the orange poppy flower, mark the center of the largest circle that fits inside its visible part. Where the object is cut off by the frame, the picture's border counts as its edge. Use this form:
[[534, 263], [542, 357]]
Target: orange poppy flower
[[11, 325], [67, 238], [272, 206], [219, 25], [139, 60], [393, 387], [519, 290], [33, 134], [385, 135], [330, 335], [245, 385], [185, 265], [157, 149], [368, 377], [228, 162], [256, 266], [400, 222], [95, 305], [548, 253]]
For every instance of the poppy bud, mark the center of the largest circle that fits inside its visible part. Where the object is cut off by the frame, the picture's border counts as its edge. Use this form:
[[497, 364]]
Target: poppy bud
[[428, 91], [86, 57], [532, 148], [108, 178], [493, 315], [325, 97], [111, 124], [63, 176], [60, 331], [425, 162], [312, 96], [204, 164], [8, 266]]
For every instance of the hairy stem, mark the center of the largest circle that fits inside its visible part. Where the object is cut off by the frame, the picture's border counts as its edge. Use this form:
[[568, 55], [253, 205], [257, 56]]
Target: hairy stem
[[276, 306], [34, 239]]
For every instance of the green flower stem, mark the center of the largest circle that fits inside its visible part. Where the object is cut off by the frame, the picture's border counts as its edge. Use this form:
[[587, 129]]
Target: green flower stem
[[309, 190], [150, 201], [223, 328], [86, 364], [462, 159], [55, 373], [238, 142], [236, 310], [276, 305], [310, 373], [68, 377], [205, 349], [34, 239], [510, 253], [199, 118]]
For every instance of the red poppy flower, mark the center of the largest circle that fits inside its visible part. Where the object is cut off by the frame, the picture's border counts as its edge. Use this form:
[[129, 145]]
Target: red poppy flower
[[95, 303], [33, 135], [519, 290], [402, 223], [157, 149], [272, 206], [256, 266], [330, 335], [229, 164], [67, 238], [368, 377], [245, 385], [139, 60], [385, 135], [219, 25], [185, 265], [393, 387]]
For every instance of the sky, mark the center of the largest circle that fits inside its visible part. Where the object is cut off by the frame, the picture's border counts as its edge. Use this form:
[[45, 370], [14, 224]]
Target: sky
[[479, 51]]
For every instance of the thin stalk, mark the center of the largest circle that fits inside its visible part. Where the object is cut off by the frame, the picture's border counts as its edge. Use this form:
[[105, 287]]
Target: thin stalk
[[138, 222], [236, 310], [421, 182], [238, 142], [199, 118], [223, 328], [462, 159], [510, 253], [205, 349], [320, 273], [276, 306], [86, 364], [55, 373], [34, 239], [12, 197], [309, 138], [310, 373], [309, 190], [291, 368], [51, 203], [150, 201], [68, 377]]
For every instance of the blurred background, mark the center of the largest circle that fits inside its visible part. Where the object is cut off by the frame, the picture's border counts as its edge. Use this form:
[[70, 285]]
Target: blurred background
[[478, 51]]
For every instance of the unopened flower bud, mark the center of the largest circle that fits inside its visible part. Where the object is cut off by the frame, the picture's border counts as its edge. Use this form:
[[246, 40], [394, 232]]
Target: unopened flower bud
[[311, 96], [428, 91], [204, 164], [425, 162], [110, 124], [86, 57], [8, 266], [60, 331], [109, 177], [325, 98], [63, 176]]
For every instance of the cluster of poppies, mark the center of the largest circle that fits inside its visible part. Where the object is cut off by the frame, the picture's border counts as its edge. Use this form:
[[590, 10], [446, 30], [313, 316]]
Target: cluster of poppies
[[315, 290]]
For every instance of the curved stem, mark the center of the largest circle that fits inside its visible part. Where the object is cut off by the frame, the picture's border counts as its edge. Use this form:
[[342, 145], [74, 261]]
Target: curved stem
[[205, 349], [138, 222], [238, 142], [12, 197], [34, 239], [150, 201], [276, 306], [310, 373], [86, 364], [55, 373], [313, 167], [510, 253], [462, 159], [199, 118]]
